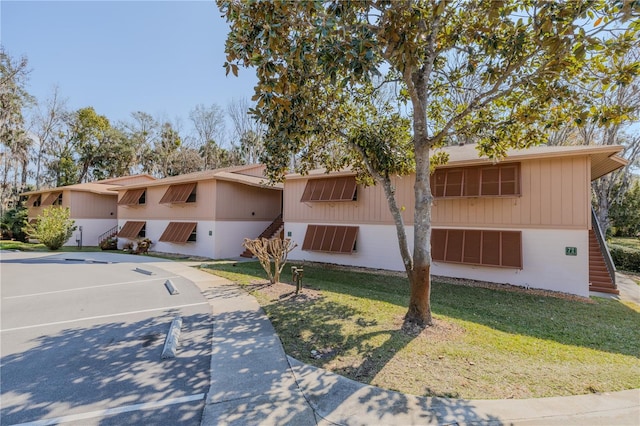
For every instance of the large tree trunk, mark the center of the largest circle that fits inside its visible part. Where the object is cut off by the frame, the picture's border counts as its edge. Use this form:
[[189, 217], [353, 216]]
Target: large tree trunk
[[419, 312]]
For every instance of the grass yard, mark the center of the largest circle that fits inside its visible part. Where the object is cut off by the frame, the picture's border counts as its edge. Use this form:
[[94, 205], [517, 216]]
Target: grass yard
[[485, 343], [633, 243], [19, 245]]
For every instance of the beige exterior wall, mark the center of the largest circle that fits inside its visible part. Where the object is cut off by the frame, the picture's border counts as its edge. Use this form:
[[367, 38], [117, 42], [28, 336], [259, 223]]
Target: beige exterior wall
[[257, 170], [371, 206], [34, 212], [202, 209], [237, 202], [86, 205], [555, 194]]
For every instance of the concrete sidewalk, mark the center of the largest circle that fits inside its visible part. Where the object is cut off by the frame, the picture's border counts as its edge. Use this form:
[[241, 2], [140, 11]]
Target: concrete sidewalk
[[253, 382]]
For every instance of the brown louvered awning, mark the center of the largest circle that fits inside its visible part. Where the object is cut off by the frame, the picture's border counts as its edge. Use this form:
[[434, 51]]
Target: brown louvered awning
[[32, 199], [333, 189], [330, 238], [50, 199], [178, 193], [131, 229], [178, 232], [131, 197]]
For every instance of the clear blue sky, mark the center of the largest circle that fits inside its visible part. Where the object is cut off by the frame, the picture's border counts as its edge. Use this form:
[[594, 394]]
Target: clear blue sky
[[160, 57]]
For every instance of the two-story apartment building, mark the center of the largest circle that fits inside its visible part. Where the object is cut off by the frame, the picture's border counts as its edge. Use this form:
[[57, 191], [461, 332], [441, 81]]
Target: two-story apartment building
[[93, 206], [206, 213], [524, 221]]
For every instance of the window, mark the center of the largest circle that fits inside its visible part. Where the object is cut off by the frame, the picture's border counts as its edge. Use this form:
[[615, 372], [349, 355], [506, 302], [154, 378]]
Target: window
[[178, 194], [481, 181], [133, 229], [53, 199], [477, 247], [133, 197], [332, 189], [179, 232], [34, 200], [331, 239]]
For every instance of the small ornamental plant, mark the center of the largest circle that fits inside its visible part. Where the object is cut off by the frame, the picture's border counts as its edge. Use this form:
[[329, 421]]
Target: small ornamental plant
[[271, 251], [53, 227]]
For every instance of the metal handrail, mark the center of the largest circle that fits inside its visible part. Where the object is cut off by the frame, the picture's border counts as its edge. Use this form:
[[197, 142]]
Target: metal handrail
[[611, 267], [106, 235]]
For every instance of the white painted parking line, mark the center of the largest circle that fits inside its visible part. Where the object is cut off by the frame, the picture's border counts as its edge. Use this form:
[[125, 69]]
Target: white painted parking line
[[26, 327], [88, 288], [112, 411]]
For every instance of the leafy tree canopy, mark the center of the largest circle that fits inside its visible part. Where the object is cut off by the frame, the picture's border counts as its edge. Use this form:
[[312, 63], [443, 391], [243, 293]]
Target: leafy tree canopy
[[496, 71]]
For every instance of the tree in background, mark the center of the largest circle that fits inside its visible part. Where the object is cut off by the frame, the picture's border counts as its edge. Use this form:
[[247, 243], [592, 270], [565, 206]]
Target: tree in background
[[142, 133], [625, 213], [316, 59], [209, 125], [47, 124], [53, 227], [247, 131], [13, 135], [606, 115]]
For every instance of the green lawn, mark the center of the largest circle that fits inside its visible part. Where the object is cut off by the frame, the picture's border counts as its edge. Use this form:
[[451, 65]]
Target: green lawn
[[18, 245], [485, 344], [633, 243]]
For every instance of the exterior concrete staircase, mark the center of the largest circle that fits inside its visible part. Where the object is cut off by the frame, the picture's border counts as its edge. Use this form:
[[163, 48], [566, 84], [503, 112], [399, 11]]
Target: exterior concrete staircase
[[106, 235], [602, 272], [274, 230]]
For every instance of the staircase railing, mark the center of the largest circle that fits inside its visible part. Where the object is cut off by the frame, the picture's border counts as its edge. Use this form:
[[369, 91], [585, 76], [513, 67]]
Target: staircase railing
[[611, 268], [106, 235], [267, 233]]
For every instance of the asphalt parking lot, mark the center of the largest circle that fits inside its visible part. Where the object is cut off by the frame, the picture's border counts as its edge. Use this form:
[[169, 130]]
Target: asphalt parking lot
[[82, 336]]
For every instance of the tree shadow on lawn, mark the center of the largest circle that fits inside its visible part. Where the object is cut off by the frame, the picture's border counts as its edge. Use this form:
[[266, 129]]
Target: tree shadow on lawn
[[604, 325], [310, 333], [79, 370]]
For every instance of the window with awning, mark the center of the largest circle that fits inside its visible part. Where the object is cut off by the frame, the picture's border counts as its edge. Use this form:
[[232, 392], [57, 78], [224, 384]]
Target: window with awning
[[34, 200], [183, 193], [341, 188], [477, 247], [133, 197], [179, 232], [478, 181], [132, 229], [330, 238], [53, 199]]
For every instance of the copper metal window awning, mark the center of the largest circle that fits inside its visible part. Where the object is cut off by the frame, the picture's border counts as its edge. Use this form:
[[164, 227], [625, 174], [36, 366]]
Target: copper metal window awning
[[332, 189], [178, 232], [178, 193], [131, 229]]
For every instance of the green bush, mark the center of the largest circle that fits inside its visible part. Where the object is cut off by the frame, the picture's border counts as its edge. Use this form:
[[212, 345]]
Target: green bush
[[53, 228], [13, 223], [625, 258]]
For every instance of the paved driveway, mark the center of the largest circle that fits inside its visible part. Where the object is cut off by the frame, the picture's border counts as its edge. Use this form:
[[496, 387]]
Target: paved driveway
[[82, 341]]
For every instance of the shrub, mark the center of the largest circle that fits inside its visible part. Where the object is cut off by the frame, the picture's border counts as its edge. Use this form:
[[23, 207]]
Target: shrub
[[53, 228], [13, 223], [625, 258], [109, 244]]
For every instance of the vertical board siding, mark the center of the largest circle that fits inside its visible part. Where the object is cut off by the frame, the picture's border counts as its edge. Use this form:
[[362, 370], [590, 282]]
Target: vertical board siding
[[236, 201], [555, 192], [202, 209], [370, 207], [86, 205]]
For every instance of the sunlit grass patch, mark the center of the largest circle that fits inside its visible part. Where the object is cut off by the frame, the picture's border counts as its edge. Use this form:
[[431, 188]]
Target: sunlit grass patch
[[485, 343]]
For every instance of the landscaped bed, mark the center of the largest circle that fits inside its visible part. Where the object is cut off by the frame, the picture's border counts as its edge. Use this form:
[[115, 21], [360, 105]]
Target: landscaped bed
[[486, 343]]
